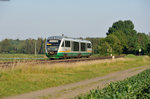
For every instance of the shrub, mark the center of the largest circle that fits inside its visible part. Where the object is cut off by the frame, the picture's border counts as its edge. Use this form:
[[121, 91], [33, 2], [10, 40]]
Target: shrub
[[136, 87]]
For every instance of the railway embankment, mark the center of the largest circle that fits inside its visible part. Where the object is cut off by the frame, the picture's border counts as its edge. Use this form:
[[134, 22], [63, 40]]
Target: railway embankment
[[47, 61]]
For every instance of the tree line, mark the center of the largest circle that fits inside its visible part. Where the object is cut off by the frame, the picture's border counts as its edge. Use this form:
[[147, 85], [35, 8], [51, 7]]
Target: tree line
[[27, 46], [121, 38]]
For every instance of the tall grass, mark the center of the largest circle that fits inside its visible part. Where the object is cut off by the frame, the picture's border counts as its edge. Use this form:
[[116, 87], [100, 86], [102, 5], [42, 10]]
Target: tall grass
[[27, 77], [20, 57]]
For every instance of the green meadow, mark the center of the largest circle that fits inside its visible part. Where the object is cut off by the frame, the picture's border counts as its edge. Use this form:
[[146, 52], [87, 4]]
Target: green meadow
[[25, 78], [21, 57]]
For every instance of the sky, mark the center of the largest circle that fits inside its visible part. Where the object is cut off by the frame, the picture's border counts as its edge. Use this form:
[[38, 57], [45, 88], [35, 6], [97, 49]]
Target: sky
[[22, 19]]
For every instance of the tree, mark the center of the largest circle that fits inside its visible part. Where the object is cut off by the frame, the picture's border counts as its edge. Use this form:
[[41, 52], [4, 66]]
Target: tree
[[5, 46], [29, 46], [123, 26], [142, 40], [104, 48], [115, 43], [148, 48], [124, 31], [40, 43], [95, 43]]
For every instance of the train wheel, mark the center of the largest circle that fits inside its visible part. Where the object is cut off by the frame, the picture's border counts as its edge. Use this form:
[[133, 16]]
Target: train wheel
[[79, 55], [87, 56], [65, 56], [51, 58]]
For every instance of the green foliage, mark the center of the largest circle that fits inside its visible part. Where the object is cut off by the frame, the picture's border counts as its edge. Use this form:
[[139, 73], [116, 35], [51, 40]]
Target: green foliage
[[148, 49], [104, 48], [124, 31], [124, 26], [130, 56], [5, 46], [95, 43], [136, 87], [142, 40], [115, 43], [123, 39], [22, 46]]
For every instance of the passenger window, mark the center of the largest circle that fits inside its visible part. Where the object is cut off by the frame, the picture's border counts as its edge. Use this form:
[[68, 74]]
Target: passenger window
[[83, 46], [67, 43], [75, 46], [88, 45], [62, 44]]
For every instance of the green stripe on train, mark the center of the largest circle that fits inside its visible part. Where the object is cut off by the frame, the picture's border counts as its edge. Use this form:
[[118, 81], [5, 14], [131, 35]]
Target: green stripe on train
[[60, 55]]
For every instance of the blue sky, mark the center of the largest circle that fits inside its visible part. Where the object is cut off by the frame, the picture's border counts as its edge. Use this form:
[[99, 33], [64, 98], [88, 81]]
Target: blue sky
[[75, 18]]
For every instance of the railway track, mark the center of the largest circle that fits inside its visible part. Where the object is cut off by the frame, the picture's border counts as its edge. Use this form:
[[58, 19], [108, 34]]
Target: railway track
[[10, 64]]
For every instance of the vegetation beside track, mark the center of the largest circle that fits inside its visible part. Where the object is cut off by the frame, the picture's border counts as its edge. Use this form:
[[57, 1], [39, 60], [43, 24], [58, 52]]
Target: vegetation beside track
[[136, 87], [20, 57], [29, 57], [26, 78]]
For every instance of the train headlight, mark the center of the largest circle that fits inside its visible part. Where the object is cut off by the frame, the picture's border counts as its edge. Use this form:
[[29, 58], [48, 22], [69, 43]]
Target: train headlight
[[48, 49], [51, 52]]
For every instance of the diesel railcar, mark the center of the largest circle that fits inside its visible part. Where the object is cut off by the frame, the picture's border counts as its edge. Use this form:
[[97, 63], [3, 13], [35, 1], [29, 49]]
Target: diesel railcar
[[65, 47]]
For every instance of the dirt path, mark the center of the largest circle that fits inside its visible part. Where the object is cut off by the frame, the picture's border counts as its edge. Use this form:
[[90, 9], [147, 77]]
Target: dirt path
[[75, 89]]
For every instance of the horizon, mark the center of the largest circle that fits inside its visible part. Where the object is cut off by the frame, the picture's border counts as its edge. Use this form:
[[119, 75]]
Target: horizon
[[33, 19]]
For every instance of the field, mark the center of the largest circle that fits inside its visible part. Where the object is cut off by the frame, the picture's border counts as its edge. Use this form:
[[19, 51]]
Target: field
[[20, 57], [26, 78], [136, 87]]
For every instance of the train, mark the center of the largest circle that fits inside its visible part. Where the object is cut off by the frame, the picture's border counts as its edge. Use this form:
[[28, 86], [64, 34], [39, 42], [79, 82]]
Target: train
[[58, 47]]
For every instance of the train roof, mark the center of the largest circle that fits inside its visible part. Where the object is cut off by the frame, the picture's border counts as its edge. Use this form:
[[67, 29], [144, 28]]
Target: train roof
[[65, 37]]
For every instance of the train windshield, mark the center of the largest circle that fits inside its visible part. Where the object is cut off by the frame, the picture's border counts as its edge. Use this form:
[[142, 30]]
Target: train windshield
[[52, 45]]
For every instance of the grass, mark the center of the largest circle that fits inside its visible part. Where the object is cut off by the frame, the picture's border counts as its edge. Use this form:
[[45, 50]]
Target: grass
[[16, 57], [26, 78]]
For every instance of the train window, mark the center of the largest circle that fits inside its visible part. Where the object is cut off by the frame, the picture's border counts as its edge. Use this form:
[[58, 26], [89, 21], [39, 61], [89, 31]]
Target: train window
[[83, 46], [62, 44], [67, 43], [53, 41], [88, 45], [75, 46]]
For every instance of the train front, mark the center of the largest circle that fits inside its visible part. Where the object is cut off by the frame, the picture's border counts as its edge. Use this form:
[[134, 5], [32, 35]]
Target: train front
[[52, 46]]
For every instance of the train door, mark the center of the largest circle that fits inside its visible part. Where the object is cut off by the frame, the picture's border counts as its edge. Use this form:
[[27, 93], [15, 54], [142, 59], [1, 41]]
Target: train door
[[75, 49], [83, 48], [67, 48]]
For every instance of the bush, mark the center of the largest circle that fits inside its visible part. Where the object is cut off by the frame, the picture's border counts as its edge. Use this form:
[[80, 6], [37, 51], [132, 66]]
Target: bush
[[130, 56], [136, 87]]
